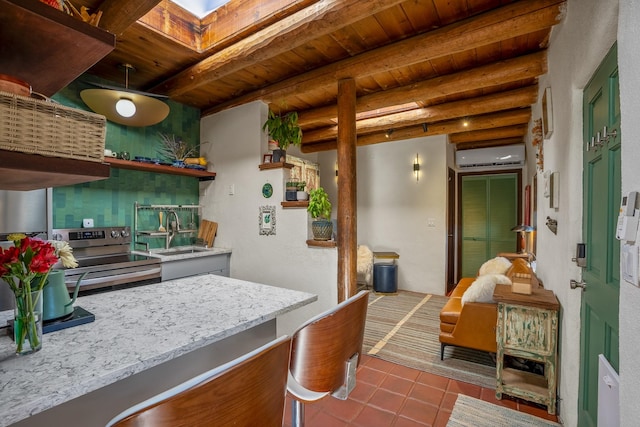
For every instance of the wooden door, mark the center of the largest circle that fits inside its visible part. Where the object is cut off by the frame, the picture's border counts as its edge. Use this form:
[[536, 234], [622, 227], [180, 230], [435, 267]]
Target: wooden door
[[451, 224], [488, 211], [601, 186]]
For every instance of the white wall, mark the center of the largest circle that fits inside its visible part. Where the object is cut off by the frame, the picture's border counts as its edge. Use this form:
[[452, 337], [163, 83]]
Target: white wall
[[629, 64], [235, 146], [578, 45], [394, 208]]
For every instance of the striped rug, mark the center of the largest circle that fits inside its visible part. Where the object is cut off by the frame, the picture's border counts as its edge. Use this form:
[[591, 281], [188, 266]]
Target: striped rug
[[470, 412], [403, 328]]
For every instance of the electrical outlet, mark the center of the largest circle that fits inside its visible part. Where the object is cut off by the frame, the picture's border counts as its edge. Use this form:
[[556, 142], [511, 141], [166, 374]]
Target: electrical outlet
[[87, 222], [231, 189]]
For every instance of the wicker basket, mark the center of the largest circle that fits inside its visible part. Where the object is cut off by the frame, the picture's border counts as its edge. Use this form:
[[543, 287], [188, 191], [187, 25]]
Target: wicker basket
[[39, 127]]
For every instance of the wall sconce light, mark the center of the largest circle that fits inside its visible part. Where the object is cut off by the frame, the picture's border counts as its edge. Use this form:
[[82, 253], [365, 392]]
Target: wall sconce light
[[416, 167], [388, 133], [424, 127], [465, 122]]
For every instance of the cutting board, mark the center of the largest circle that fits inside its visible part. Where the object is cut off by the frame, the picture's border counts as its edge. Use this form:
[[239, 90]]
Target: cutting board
[[207, 232]]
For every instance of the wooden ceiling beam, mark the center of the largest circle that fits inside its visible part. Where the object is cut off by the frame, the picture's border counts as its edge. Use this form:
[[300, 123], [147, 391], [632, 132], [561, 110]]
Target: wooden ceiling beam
[[323, 17], [502, 101], [118, 15], [501, 72], [515, 121], [515, 19]]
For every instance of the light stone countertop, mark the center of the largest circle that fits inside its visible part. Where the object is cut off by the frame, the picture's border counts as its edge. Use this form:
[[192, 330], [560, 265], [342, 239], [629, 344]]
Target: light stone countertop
[[135, 329]]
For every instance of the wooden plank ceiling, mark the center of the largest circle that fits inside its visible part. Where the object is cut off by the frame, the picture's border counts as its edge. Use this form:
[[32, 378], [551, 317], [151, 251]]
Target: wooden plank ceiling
[[465, 68]]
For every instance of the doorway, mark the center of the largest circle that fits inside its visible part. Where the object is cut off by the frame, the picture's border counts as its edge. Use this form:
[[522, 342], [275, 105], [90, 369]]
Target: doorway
[[601, 200], [488, 210]]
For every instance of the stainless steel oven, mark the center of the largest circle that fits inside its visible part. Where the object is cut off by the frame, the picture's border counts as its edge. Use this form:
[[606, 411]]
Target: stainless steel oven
[[105, 254]]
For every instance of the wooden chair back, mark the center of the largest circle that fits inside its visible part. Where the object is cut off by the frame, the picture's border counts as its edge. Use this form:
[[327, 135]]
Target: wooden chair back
[[248, 391], [322, 346]]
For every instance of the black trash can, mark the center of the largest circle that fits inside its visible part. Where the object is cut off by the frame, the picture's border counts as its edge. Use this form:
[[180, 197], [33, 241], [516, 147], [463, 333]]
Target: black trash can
[[385, 278]]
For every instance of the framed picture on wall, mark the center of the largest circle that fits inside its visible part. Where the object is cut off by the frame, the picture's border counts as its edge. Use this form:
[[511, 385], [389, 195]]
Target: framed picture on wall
[[547, 114], [267, 220]]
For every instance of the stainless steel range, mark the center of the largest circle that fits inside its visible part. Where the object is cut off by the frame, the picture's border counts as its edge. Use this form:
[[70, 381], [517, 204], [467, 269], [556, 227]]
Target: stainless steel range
[[105, 254]]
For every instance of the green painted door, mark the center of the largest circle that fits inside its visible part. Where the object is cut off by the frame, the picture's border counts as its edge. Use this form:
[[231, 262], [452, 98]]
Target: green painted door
[[601, 186], [488, 211]]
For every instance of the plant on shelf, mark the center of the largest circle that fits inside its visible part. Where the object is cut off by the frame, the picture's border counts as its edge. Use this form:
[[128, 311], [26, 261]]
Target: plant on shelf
[[175, 149], [302, 195], [320, 210], [283, 129]]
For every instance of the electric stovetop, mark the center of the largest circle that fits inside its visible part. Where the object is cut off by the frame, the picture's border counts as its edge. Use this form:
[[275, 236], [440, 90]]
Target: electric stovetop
[[79, 316]]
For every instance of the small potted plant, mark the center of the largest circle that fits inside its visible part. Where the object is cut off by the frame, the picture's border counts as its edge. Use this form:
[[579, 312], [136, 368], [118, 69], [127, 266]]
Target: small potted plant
[[320, 210], [285, 131], [291, 190], [302, 195]]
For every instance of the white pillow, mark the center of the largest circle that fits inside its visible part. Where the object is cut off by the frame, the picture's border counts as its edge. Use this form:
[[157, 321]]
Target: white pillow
[[481, 290], [497, 265]]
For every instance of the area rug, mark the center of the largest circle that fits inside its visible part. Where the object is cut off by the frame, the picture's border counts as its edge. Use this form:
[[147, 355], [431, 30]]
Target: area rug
[[403, 328], [470, 412]]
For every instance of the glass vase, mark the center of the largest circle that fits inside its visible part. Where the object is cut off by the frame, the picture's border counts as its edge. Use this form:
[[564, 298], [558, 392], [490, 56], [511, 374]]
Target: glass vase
[[27, 326]]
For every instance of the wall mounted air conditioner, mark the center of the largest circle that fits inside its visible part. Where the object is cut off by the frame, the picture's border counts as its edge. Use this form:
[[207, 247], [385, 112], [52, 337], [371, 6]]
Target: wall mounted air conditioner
[[508, 155]]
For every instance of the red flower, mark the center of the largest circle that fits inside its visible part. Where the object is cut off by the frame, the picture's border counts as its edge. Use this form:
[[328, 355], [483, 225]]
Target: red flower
[[27, 260]]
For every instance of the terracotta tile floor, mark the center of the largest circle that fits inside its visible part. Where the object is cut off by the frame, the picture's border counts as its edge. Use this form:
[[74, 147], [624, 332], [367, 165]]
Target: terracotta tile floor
[[387, 394]]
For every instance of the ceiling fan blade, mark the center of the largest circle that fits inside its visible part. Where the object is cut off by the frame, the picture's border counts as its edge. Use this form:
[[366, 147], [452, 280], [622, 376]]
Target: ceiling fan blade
[[121, 89]]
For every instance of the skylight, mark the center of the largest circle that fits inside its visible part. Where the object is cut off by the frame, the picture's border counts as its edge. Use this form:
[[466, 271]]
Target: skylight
[[200, 8]]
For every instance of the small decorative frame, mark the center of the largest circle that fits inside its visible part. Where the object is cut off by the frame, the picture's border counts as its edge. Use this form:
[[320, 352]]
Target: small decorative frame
[[267, 220], [267, 158], [554, 190], [547, 114]]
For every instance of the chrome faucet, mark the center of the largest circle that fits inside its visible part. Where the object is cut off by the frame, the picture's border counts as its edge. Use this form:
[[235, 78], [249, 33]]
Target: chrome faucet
[[172, 226]]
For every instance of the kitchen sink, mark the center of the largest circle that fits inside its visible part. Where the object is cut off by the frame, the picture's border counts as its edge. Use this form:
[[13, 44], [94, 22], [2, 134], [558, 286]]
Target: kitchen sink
[[180, 251]]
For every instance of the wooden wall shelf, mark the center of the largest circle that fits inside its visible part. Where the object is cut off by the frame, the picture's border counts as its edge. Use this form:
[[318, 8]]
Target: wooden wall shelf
[[322, 243], [21, 171], [279, 165], [297, 204], [151, 167], [47, 48]]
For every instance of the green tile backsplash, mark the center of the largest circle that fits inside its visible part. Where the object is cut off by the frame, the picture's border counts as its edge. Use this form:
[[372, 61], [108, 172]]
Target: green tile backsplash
[[110, 202]]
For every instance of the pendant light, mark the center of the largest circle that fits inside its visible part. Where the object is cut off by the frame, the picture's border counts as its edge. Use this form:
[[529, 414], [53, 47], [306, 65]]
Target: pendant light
[[126, 106]]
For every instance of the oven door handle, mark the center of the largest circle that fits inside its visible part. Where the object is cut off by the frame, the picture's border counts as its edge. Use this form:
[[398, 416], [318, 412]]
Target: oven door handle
[[130, 275]]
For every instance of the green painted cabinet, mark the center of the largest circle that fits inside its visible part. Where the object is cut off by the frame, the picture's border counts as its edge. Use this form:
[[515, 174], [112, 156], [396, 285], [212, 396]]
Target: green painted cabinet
[[527, 329]]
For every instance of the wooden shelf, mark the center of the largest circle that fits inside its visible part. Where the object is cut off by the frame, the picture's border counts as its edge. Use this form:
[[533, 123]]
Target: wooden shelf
[[22, 171], [279, 165], [297, 204], [322, 243], [47, 48], [152, 167]]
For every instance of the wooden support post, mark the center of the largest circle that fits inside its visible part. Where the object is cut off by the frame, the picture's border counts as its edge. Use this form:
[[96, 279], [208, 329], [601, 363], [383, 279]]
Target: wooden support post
[[347, 212]]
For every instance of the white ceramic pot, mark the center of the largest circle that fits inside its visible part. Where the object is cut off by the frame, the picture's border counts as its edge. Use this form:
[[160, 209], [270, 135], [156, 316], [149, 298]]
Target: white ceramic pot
[[302, 195]]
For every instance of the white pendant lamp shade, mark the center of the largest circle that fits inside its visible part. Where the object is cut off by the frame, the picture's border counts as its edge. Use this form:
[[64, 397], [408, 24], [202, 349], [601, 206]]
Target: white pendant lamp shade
[[143, 110]]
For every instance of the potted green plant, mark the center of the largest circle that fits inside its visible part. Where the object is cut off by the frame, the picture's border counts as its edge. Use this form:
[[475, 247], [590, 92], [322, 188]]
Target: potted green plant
[[291, 190], [320, 210], [283, 129], [302, 195]]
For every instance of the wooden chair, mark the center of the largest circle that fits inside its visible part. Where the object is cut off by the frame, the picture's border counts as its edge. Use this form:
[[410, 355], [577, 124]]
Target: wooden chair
[[325, 354], [248, 391]]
